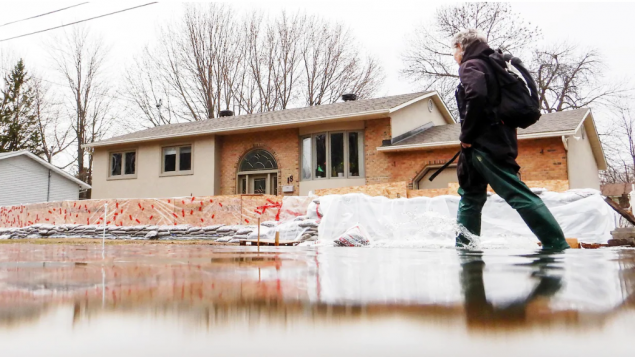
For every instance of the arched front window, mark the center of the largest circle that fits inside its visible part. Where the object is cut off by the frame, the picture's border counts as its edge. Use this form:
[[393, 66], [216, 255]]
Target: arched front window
[[258, 160], [257, 173]]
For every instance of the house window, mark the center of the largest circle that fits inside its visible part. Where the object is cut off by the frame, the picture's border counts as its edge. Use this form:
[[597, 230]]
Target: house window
[[321, 163], [177, 159], [123, 164], [332, 155], [337, 154]]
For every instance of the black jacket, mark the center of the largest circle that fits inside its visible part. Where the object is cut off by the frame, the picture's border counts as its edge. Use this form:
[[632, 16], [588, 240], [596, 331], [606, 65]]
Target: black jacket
[[476, 96]]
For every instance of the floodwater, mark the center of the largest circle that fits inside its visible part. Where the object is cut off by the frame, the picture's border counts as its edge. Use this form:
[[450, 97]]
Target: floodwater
[[181, 300]]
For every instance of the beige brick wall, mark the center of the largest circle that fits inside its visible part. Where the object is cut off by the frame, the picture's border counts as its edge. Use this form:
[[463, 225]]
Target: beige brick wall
[[540, 159], [282, 144]]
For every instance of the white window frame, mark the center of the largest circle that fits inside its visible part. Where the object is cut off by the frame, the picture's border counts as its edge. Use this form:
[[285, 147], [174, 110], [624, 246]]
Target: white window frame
[[123, 175], [360, 145], [271, 186], [177, 171]]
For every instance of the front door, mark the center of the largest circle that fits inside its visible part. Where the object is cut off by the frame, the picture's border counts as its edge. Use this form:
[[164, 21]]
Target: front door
[[259, 184]]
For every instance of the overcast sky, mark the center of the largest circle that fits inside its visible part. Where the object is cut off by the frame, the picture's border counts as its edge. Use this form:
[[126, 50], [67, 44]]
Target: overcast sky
[[380, 27]]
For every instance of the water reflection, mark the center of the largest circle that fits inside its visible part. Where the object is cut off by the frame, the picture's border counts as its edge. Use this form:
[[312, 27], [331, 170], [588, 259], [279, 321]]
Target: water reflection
[[372, 290], [479, 311]]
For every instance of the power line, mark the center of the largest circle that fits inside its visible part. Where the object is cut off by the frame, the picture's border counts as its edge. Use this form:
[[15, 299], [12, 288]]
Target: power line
[[66, 86], [77, 22], [47, 13]]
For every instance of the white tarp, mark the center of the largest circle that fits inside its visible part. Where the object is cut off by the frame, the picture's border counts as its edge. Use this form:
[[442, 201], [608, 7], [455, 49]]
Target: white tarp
[[430, 222]]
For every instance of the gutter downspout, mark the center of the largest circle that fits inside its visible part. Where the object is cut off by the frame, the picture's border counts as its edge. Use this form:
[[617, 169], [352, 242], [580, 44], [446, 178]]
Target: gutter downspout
[[48, 189]]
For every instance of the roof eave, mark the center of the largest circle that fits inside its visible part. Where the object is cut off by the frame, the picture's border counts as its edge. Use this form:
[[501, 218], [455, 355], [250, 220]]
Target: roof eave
[[598, 150], [443, 144], [413, 147]]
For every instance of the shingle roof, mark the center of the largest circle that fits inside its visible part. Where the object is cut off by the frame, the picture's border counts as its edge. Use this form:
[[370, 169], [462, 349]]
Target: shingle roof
[[548, 123], [273, 118]]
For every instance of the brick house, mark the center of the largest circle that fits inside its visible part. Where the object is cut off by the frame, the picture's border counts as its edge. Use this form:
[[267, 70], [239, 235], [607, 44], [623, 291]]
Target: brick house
[[295, 151]]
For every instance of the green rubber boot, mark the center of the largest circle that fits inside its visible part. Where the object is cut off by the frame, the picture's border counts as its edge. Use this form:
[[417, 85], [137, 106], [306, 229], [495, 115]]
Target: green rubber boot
[[542, 223], [471, 222]]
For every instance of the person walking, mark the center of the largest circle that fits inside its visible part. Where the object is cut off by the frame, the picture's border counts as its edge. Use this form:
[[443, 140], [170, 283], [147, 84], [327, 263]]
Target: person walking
[[489, 146]]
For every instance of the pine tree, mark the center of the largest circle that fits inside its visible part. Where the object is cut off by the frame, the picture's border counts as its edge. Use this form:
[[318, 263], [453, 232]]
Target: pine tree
[[18, 122]]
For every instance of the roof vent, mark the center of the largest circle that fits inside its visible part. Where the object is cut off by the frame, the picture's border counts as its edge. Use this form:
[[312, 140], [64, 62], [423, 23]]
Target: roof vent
[[349, 97], [226, 113]]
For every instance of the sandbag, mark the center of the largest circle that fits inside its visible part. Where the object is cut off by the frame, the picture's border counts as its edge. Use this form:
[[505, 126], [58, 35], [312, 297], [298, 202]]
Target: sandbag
[[353, 237]]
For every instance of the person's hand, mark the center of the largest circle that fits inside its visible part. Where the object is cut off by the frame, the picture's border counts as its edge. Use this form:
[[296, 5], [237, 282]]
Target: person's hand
[[466, 145]]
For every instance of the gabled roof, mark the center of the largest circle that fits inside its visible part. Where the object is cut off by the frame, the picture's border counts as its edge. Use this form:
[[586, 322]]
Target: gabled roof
[[556, 124], [365, 108], [552, 124], [39, 160]]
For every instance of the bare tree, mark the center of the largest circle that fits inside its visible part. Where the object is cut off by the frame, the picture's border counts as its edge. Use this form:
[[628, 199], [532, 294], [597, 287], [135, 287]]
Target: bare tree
[[271, 71], [333, 66], [617, 171], [192, 72], [569, 78], [212, 60], [428, 59], [56, 134], [255, 90], [79, 59], [201, 60], [619, 144], [148, 92]]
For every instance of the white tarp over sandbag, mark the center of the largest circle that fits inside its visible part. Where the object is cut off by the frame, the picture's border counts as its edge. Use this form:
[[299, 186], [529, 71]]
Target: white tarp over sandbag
[[430, 222]]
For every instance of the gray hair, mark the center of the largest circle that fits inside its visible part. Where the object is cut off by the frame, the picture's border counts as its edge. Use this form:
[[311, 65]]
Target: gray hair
[[467, 37]]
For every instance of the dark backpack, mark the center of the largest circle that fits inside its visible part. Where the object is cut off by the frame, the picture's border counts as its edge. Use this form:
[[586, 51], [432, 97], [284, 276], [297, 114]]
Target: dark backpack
[[519, 104]]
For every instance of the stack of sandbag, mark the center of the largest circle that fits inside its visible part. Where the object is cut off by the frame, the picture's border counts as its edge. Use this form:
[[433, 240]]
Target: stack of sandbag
[[215, 232]]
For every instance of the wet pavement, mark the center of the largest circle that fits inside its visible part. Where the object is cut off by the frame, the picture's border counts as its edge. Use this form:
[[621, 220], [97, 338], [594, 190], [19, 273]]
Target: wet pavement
[[169, 300]]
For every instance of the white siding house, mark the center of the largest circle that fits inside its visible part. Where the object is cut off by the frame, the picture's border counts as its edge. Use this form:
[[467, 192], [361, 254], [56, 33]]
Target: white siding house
[[26, 178]]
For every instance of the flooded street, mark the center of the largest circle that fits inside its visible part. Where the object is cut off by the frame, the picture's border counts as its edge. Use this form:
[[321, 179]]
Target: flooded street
[[196, 300]]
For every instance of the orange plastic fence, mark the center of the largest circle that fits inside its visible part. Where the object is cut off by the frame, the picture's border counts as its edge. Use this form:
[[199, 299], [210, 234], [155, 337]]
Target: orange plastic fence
[[195, 211]]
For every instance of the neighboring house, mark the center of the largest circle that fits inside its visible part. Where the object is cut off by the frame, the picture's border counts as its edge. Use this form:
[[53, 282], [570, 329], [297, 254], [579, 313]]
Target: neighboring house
[[618, 192], [26, 178], [295, 151]]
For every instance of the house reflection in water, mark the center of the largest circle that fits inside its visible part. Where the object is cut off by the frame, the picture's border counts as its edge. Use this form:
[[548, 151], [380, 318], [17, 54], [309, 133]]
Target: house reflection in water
[[224, 287]]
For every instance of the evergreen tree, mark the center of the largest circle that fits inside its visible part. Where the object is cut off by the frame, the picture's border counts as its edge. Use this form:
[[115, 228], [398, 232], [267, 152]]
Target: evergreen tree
[[18, 120]]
